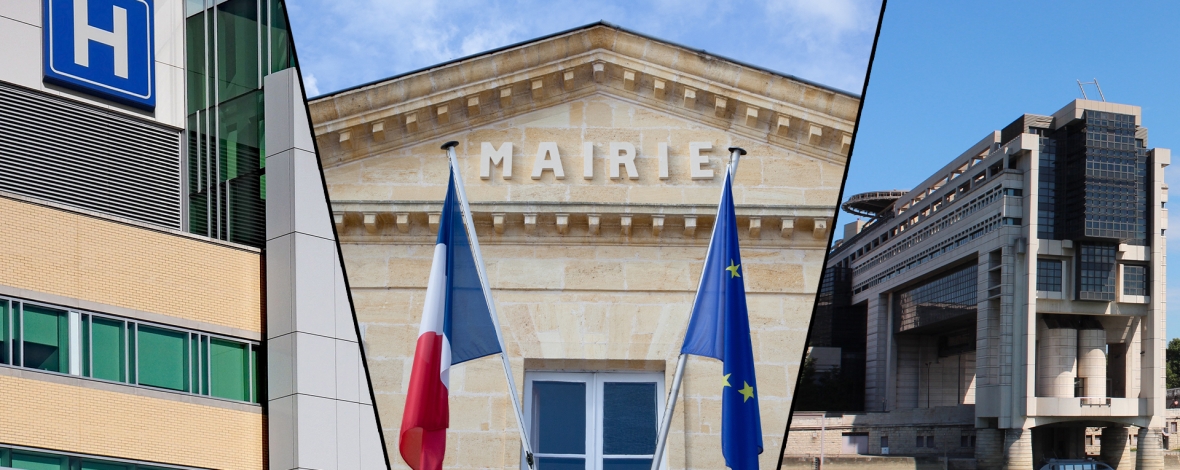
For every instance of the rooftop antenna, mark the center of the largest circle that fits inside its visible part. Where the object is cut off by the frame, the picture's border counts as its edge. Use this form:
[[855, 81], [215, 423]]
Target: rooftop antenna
[[1096, 85]]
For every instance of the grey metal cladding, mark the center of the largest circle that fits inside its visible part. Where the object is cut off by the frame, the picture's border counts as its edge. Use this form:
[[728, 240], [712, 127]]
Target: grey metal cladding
[[89, 158]]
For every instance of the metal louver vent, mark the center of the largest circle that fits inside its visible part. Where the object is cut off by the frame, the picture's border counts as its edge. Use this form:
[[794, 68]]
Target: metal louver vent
[[88, 158]]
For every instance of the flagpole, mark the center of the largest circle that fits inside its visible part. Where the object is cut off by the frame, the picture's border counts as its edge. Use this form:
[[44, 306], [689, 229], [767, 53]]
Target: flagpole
[[487, 292], [735, 154]]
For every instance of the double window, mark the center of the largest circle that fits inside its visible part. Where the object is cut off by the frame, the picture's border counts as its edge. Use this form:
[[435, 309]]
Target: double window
[[56, 339], [593, 420]]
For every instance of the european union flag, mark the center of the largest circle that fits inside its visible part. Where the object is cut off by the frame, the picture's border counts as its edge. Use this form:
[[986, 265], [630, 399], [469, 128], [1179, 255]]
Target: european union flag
[[720, 328]]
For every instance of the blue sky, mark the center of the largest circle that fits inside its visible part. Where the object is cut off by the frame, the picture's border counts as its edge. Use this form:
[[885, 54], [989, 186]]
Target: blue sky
[[948, 73], [342, 43]]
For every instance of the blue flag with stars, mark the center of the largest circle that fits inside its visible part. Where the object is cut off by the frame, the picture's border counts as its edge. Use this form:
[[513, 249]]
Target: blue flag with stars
[[720, 328]]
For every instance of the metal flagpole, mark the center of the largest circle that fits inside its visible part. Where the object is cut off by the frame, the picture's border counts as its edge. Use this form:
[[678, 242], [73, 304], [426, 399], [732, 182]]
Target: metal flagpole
[[487, 292], [735, 154]]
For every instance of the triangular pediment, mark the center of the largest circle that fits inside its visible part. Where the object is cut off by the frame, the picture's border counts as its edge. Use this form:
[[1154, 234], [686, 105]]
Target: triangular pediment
[[597, 60]]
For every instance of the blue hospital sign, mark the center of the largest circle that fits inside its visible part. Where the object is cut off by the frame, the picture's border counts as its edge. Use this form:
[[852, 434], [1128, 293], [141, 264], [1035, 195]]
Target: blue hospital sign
[[102, 47]]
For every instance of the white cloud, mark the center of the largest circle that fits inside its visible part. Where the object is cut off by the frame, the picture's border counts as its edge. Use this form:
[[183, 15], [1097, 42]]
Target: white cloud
[[309, 86]]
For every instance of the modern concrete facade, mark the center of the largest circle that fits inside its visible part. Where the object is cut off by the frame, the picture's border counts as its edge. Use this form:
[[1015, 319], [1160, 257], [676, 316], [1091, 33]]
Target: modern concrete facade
[[1013, 299], [155, 291], [593, 160]]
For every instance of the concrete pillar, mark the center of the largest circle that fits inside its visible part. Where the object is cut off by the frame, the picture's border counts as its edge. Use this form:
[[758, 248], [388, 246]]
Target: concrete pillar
[[1092, 361], [1150, 455], [989, 445], [1116, 451], [1017, 449], [320, 407], [1057, 358]]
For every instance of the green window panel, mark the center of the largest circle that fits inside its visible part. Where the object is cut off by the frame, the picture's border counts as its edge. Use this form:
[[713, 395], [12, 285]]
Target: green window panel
[[5, 331], [46, 339], [107, 349], [30, 461], [164, 358], [280, 38], [255, 376], [229, 371], [195, 61], [237, 51], [93, 465]]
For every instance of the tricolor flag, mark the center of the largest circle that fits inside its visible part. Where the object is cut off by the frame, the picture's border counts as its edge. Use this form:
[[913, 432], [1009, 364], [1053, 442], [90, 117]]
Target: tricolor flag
[[456, 327], [720, 328]]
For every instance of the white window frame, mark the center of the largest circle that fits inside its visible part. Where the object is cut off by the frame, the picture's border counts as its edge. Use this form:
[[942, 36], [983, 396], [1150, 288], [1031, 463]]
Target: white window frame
[[594, 381]]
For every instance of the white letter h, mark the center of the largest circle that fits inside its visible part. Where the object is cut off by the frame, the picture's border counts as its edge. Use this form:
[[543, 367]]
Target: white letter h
[[84, 33]]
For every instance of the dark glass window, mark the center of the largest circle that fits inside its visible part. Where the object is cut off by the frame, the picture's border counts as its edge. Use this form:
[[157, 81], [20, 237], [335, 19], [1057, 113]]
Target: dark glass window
[[943, 298], [46, 339], [560, 421], [1096, 271], [1106, 175], [237, 48], [1134, 280], [627, 424], [1049, 275], [1047, 189], [920, 441]]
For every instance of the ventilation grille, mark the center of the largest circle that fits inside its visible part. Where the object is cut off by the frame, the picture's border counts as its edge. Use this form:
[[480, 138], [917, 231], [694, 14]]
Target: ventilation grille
[[88, 158]]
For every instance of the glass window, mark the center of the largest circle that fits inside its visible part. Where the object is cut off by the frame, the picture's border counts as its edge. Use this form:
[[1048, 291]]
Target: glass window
[[1049, 275], [195, 61], [627, 424], [31, 461], [930, 441], [5, 331], [942, 298], [46, 338], [559, 422], [237, 48], [165, 358], [280, 38], [920, 442], [594, 420], [106, 351], [88, 464], [229, 371], [1096, 271], [1134, 280]]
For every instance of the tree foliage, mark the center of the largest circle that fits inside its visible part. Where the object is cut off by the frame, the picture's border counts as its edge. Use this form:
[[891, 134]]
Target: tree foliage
[[832, 390], [1173, 364]]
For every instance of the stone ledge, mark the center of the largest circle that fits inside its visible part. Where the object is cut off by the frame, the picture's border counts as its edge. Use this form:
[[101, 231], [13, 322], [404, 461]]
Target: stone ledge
[[692, 224]]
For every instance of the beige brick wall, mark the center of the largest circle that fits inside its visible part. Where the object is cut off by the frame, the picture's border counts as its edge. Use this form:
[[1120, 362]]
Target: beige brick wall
[[59, 252], [69, 418]]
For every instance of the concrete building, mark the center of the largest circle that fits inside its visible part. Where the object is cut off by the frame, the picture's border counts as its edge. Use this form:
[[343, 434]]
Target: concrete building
[[593, 159], [168, 263], [1012, 300]]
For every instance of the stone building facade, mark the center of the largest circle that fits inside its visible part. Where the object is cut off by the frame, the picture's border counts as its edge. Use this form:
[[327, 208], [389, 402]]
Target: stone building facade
[[593, 160]]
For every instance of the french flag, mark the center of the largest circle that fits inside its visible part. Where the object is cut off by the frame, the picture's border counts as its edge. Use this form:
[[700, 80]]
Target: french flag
[[456, 327]]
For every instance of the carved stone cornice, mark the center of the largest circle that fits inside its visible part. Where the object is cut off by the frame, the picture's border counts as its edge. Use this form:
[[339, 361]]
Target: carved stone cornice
[[599, 59], [414, 221]]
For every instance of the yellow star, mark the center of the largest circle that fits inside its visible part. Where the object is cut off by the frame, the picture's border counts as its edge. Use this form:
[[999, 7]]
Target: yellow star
[[747, 392], [733, 270], [726, 379]]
